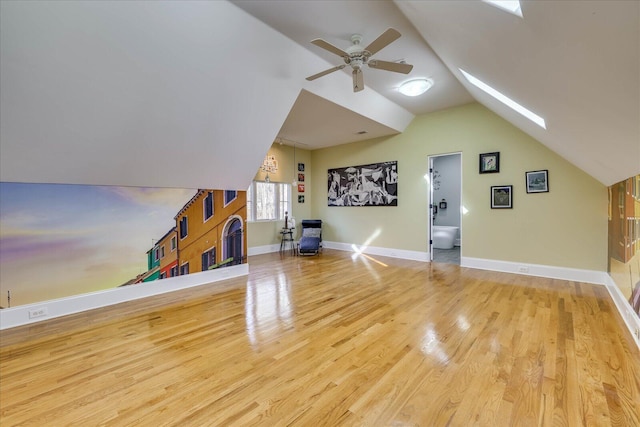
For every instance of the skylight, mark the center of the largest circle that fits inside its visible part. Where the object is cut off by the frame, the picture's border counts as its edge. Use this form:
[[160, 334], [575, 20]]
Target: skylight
[[504, 99], [511, 6]]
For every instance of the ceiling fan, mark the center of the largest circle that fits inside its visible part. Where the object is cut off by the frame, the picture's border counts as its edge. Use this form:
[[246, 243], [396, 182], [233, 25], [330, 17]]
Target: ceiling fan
[[356, 56]]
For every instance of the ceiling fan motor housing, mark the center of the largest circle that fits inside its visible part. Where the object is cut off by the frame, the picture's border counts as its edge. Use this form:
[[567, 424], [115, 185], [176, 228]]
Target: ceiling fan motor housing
[[357, 56]]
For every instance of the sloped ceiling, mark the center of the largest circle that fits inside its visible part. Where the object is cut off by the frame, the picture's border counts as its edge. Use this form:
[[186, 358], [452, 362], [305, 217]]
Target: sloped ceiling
[[164, 94], [192, 94], [575, 63]]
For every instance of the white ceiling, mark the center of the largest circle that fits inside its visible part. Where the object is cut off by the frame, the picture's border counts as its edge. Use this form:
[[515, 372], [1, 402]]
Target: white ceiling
[[576, 63], [167, 93]]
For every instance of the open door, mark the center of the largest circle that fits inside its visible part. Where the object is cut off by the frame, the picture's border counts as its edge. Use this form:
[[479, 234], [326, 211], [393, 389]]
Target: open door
[[431, 211]]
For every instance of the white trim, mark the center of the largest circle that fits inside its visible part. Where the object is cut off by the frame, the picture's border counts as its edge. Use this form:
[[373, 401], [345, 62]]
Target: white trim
[[224, 197], [373, 250], [527, 269], [225, 231], [17, 316], [204, 207], [266, 249], [630, 318]]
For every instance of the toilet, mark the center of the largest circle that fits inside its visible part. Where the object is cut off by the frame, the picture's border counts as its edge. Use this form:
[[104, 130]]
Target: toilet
[[444, 236]]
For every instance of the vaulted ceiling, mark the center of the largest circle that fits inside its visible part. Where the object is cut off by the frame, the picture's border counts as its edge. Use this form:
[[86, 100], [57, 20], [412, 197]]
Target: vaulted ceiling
[[192, 94]]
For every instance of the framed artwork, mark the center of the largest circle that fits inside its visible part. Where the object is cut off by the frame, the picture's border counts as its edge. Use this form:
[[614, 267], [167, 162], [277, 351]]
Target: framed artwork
[[301, 177], [300, 167], [375, 184], [300, 188], [301, 198], [490, 162], [537, 181], [502, 197]]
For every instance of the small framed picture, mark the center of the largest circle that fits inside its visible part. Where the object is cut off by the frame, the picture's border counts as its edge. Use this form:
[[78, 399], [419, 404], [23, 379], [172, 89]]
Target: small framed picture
[[537, 181], [301, 177], [501, 197], [490, 162], [300, 167], [301, 198], [300, 188]]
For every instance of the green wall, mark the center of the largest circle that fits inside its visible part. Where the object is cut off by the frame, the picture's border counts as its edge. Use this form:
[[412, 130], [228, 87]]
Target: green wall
[[566, 227]]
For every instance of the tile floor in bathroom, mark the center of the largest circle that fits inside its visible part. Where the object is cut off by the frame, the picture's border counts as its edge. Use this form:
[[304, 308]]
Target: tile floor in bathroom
[[447, 256]]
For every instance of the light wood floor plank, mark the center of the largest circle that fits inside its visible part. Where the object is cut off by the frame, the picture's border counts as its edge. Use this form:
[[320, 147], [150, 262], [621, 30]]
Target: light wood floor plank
[[337, 341]]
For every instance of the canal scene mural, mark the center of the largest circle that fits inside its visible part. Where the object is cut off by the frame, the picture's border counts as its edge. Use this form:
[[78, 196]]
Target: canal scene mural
[[60, 240], [624, 239]]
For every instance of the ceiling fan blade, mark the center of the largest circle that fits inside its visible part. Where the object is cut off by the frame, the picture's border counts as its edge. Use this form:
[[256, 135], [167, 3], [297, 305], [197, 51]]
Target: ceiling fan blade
[[328, 46], [325, 72], [383, 40], [358, 80], [396, 67]]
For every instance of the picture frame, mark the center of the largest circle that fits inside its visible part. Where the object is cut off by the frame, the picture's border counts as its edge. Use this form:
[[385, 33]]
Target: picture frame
[[489, 162], [374, 184], [300, 167], [301, 198], [537, 181], [502, 197], [301, 177], [300, 188]]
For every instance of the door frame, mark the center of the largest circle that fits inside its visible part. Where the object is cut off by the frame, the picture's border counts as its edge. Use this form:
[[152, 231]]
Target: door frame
[[431, 203]]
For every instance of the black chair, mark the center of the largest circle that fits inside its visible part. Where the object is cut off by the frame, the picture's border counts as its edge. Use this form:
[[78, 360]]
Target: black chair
[[311, 241]]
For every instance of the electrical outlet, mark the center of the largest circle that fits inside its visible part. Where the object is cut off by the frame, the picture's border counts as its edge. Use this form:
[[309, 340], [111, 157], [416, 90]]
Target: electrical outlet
[[38, 312], [523, 269]]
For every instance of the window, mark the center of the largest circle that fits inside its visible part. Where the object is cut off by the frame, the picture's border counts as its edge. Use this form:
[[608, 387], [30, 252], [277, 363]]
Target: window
[[156, 254], [504, 99], [174, 271], [173, 243], [229, 196], [208, 206], [183, 227], [184, 269], [268, 201], [208, 259], [163, 275], [161, 251]]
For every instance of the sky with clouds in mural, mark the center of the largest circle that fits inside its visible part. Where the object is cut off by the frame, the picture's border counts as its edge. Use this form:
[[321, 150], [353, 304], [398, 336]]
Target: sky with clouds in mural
[[61, 240]]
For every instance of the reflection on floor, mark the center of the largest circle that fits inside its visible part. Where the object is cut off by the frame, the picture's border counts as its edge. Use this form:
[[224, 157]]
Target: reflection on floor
[[447, 256]]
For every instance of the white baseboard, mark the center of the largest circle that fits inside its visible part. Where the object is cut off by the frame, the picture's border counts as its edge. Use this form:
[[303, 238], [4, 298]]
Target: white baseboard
[[563, 273], [17, 316], [373, 250], [631, 320], [266, 249], [624, 308]]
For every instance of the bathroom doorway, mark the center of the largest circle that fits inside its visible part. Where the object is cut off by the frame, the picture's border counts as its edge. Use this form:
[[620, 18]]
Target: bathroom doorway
[[445, 208]]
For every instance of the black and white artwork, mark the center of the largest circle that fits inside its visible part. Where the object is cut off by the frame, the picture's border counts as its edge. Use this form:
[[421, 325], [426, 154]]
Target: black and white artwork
[[367, 185]]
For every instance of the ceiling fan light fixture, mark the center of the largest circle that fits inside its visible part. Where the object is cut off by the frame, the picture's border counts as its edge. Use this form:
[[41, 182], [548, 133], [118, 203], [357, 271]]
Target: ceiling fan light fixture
[[415, 87]]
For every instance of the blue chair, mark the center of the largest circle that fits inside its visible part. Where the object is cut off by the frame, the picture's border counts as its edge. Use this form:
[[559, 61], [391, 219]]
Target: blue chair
[[311, 241]]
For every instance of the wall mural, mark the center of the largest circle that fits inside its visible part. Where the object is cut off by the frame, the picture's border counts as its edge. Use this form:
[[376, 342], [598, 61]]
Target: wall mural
[[366, 185], [59, 240], [624, 239]]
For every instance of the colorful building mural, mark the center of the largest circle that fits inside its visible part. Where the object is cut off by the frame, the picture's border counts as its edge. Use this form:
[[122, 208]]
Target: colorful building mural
[[211, 231], [168, 251], [624, 238], [59, 240]]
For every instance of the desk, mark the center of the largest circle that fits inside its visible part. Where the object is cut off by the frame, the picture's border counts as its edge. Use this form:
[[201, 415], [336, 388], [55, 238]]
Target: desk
[[286, 239]]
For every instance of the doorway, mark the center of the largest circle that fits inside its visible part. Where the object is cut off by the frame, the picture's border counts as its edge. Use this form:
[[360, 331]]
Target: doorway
[[445, 208]]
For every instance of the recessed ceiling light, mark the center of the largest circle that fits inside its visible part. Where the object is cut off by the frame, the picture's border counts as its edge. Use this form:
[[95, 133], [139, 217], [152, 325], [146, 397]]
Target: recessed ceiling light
[[504, 99], [415, 87], [511, 6]]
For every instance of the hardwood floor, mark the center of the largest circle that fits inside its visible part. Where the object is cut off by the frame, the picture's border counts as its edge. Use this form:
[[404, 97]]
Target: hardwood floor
[[332, 340]]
